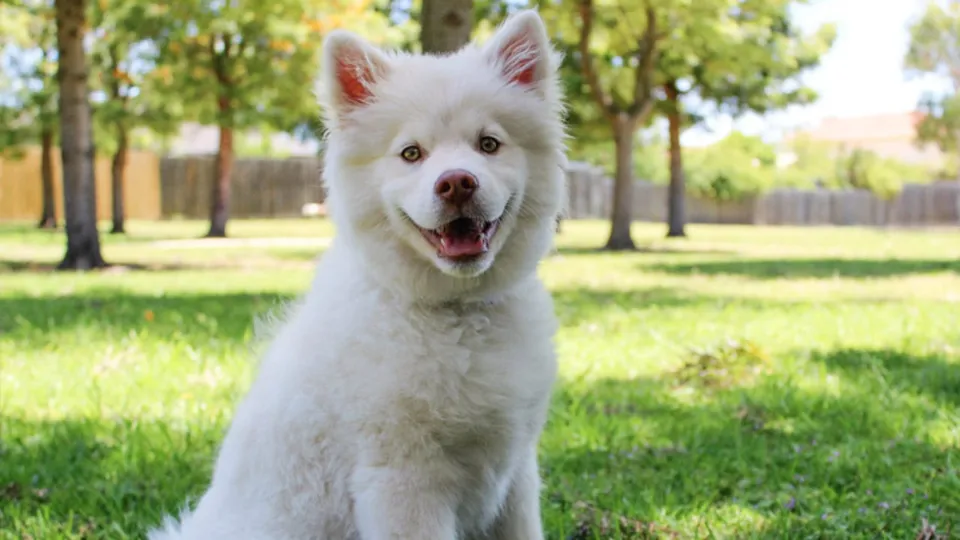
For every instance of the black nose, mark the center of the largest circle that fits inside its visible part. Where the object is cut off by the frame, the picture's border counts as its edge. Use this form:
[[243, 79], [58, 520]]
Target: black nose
[[456, 186]]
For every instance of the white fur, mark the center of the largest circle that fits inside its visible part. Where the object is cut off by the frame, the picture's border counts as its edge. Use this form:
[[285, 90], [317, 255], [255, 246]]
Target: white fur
[[404, 395]]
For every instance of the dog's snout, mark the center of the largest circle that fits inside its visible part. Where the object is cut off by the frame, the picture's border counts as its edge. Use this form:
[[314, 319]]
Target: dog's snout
[[456, 186]]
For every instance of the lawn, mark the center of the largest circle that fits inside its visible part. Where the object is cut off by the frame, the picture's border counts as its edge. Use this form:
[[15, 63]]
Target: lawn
[[745, 383]]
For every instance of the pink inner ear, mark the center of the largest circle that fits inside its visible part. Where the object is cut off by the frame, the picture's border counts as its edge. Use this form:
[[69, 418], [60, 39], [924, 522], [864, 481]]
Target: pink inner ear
[[353, 77], [519, 57]]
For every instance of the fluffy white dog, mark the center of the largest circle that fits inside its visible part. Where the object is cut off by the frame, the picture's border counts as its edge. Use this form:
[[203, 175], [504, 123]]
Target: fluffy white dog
[[404, 396]]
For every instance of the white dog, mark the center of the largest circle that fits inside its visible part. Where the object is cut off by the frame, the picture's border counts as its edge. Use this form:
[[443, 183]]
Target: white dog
[[404, 396]]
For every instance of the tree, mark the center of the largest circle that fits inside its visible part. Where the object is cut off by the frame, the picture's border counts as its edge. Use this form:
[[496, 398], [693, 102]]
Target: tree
[[445, 25], [248, 63], [242, 64], [128, 80], [621, 48], [745, 57], [617, 46], [76, 134], [934, 49]]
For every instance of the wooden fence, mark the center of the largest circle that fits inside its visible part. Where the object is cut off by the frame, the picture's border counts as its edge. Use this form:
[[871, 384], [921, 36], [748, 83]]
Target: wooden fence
[[21, 191], [916, 205], [275, 188], [279, 188], [260, 188]]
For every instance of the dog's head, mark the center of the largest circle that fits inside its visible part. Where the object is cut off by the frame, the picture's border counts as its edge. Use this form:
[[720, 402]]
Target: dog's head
[[446, 171]]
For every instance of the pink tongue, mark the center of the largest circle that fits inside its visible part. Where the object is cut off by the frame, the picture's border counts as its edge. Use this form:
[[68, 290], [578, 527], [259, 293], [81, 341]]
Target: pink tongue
[[463, 245]]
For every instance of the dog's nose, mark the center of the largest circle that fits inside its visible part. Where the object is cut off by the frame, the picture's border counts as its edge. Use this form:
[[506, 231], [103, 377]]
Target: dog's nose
[[456, 186]]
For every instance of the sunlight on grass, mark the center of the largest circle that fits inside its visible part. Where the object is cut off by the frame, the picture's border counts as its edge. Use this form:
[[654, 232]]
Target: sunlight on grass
[[746, 382]]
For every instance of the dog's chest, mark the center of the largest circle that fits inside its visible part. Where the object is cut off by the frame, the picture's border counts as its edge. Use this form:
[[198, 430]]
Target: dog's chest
[[488, 388], [482, 373]]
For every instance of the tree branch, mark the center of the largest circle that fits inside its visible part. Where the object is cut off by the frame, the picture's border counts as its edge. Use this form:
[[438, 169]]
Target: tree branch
[[114, 66], [643, 84], [606, 105], [219, 61]]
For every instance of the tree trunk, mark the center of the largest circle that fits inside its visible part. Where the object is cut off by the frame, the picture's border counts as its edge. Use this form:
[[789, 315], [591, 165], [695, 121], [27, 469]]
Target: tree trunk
[[116, 173], [219, 208], [445, 25], [676, 197], [620, 239], [48, 219], [76, 140]]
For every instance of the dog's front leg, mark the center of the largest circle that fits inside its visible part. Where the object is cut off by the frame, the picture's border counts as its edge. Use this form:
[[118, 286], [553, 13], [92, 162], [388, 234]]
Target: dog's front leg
[[413, 501], [520, 517]]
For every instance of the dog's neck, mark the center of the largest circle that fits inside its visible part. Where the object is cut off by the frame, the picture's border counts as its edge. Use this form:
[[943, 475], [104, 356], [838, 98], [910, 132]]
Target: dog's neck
[[421, 285]]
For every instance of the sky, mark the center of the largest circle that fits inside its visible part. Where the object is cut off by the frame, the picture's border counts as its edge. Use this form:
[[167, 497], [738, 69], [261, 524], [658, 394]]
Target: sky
[[861, 75]]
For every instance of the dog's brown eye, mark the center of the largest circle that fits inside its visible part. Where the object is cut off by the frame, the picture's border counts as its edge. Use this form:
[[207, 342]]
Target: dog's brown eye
[[489, 145], [411, 153]]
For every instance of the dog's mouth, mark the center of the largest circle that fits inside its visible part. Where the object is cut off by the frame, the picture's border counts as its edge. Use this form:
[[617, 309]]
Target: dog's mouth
[[462, 240]]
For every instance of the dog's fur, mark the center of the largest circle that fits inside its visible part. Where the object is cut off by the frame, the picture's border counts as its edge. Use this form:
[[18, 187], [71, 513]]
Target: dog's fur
[[404, 396]]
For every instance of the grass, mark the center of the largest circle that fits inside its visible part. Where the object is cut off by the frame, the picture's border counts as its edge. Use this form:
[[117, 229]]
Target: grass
[[746, 383]]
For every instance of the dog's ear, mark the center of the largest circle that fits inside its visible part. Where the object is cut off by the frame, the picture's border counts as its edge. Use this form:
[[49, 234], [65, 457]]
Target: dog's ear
[[351, 69], [520, 48]]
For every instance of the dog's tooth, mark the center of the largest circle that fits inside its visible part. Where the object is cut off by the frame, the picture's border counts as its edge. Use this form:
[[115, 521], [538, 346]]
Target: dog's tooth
[[443, 241]]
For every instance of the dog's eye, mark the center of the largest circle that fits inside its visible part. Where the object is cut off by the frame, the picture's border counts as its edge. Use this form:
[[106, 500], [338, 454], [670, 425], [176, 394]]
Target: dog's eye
[[411, 153], [489, 145]]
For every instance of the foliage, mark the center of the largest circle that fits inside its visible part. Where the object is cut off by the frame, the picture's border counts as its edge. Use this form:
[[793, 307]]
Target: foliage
[[30, 85], [649, 157], [115, 396], [934, 49], [125, 79], [814, 165], [941, 122], [756, 62], [820, 164], [933, 42], [260, 60], [885, 177], [615, 68], [732, 168], [704, 46], [240, 64]]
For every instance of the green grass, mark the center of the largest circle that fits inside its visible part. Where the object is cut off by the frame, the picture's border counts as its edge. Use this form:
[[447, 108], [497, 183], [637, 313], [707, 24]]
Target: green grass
[[749, 382]]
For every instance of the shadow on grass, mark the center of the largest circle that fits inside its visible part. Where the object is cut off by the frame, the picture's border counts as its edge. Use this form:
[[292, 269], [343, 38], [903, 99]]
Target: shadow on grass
[[197, 318], [811, 268], [855, 462], [804, 463], [99, 478], [796, 462], [931, 375], [230, 316], [274, 260], [18, 265], [193, 318], [641, 250]]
